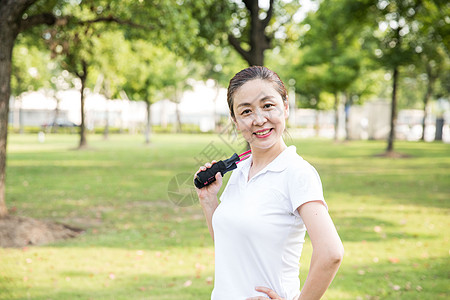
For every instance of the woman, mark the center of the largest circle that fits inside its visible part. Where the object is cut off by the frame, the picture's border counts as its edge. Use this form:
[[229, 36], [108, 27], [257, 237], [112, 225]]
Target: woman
[[270, 200]]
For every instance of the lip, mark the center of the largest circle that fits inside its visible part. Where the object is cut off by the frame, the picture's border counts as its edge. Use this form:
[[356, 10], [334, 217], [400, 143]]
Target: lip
[[265, 135]]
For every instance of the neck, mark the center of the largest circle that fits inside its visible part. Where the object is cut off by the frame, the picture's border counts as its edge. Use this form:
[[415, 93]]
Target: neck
[[262, 157]]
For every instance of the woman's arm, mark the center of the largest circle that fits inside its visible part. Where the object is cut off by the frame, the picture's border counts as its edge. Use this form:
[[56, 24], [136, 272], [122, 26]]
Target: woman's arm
[[209, 206], [208, 197], [328, 250]]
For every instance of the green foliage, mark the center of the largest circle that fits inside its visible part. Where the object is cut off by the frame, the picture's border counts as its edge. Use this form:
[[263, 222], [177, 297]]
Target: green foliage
[[280, 28], [109, 69], [30, 70], [212, 21], [26, 129], [414, 84], [331, 60], [391, 33], [409, 36], [111, 130], [322, 54], [170, 128], [151, 70], [222, 65]]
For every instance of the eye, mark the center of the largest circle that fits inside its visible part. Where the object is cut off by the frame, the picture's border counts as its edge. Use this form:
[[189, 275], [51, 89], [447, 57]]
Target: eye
[[246, 112], [268, 105]]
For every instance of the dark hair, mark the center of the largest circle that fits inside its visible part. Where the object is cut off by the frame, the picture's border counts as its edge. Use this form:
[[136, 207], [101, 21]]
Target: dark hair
[[252, 73]]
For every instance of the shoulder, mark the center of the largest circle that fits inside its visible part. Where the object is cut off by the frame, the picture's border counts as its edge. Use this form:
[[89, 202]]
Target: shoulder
[[302, 182], [297, 165]]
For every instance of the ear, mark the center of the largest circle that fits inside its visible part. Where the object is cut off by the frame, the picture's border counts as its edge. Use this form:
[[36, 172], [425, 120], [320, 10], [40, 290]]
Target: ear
[[286, 108], [233, 120]]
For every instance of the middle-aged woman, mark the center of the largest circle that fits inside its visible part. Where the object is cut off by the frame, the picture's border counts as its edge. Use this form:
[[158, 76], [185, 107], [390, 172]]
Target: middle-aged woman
[[270, 201]]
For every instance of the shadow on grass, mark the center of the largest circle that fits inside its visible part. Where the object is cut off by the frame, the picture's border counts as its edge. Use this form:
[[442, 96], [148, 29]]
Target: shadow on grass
[[421, 184], [404, 280], [368, 149], [148, 229], [357, 229], [108, 287]]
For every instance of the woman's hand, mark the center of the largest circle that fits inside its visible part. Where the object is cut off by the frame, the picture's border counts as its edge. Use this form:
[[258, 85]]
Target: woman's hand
[[211, 190], [267, 291]]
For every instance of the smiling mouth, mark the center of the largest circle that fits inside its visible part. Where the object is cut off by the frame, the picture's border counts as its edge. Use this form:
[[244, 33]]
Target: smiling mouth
[[264, 132]]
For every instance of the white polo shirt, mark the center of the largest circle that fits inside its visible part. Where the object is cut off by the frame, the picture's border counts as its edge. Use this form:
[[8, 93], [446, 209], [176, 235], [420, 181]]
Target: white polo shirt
[[258, 233]]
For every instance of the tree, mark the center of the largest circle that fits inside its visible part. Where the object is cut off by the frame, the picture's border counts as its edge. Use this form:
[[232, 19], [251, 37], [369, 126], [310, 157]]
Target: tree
[[254, 28], [334, 46], [220, 66], [75, 48], [30, 70], [309, 85], [175, 81], [12, 23], [149, 74], [110, 68], [246, 25], [170, 23], [392, 31], [16, 17], [364, 86], [430, 47], [297, 64], [252, 32]]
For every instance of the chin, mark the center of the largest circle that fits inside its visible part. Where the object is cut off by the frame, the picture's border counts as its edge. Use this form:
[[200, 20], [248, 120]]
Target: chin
[[264, 144]]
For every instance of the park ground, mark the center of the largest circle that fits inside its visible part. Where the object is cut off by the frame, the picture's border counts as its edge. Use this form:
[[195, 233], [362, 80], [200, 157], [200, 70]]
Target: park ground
[[392, 215]]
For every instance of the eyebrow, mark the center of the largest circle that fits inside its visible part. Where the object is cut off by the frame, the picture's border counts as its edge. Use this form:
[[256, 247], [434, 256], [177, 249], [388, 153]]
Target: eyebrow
[[243, 104], [268, 97]]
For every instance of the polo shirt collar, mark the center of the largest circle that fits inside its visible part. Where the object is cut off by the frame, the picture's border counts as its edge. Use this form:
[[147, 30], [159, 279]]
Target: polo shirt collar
[[279, 164]]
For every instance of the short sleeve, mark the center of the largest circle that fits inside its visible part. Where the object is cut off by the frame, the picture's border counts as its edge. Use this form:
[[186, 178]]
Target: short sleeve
[[304, 186]]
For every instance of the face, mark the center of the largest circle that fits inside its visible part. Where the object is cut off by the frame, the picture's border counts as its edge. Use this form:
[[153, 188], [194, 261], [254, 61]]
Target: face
[[260, 113]]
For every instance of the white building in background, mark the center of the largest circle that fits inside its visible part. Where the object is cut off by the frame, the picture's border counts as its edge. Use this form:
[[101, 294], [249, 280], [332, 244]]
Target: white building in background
[[197, 106], [204, 104], [39, 108]]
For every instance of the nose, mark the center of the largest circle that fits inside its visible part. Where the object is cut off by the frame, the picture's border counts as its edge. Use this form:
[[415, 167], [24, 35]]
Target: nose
[[259, 118]]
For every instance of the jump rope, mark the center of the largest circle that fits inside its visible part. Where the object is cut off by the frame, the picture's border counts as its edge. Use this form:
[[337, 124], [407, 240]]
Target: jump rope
[[208, 176]]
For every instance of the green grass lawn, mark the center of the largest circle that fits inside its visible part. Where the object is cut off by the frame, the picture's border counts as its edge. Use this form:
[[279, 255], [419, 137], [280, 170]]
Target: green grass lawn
[[392, 215]]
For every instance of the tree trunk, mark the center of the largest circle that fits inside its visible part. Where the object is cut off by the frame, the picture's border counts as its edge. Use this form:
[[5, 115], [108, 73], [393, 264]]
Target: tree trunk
[[163, 118], [107, 92], [426, 99], [10, 16], [348, 105], [106, 130], [83, 76], [216, 115], [439, 129], [7, 38], [148, 128], [21, 118], [317, 124], [177, 99], [10, 23], [54, 129], [336, 116], [177, 111], [259, 41], [391, 137]]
